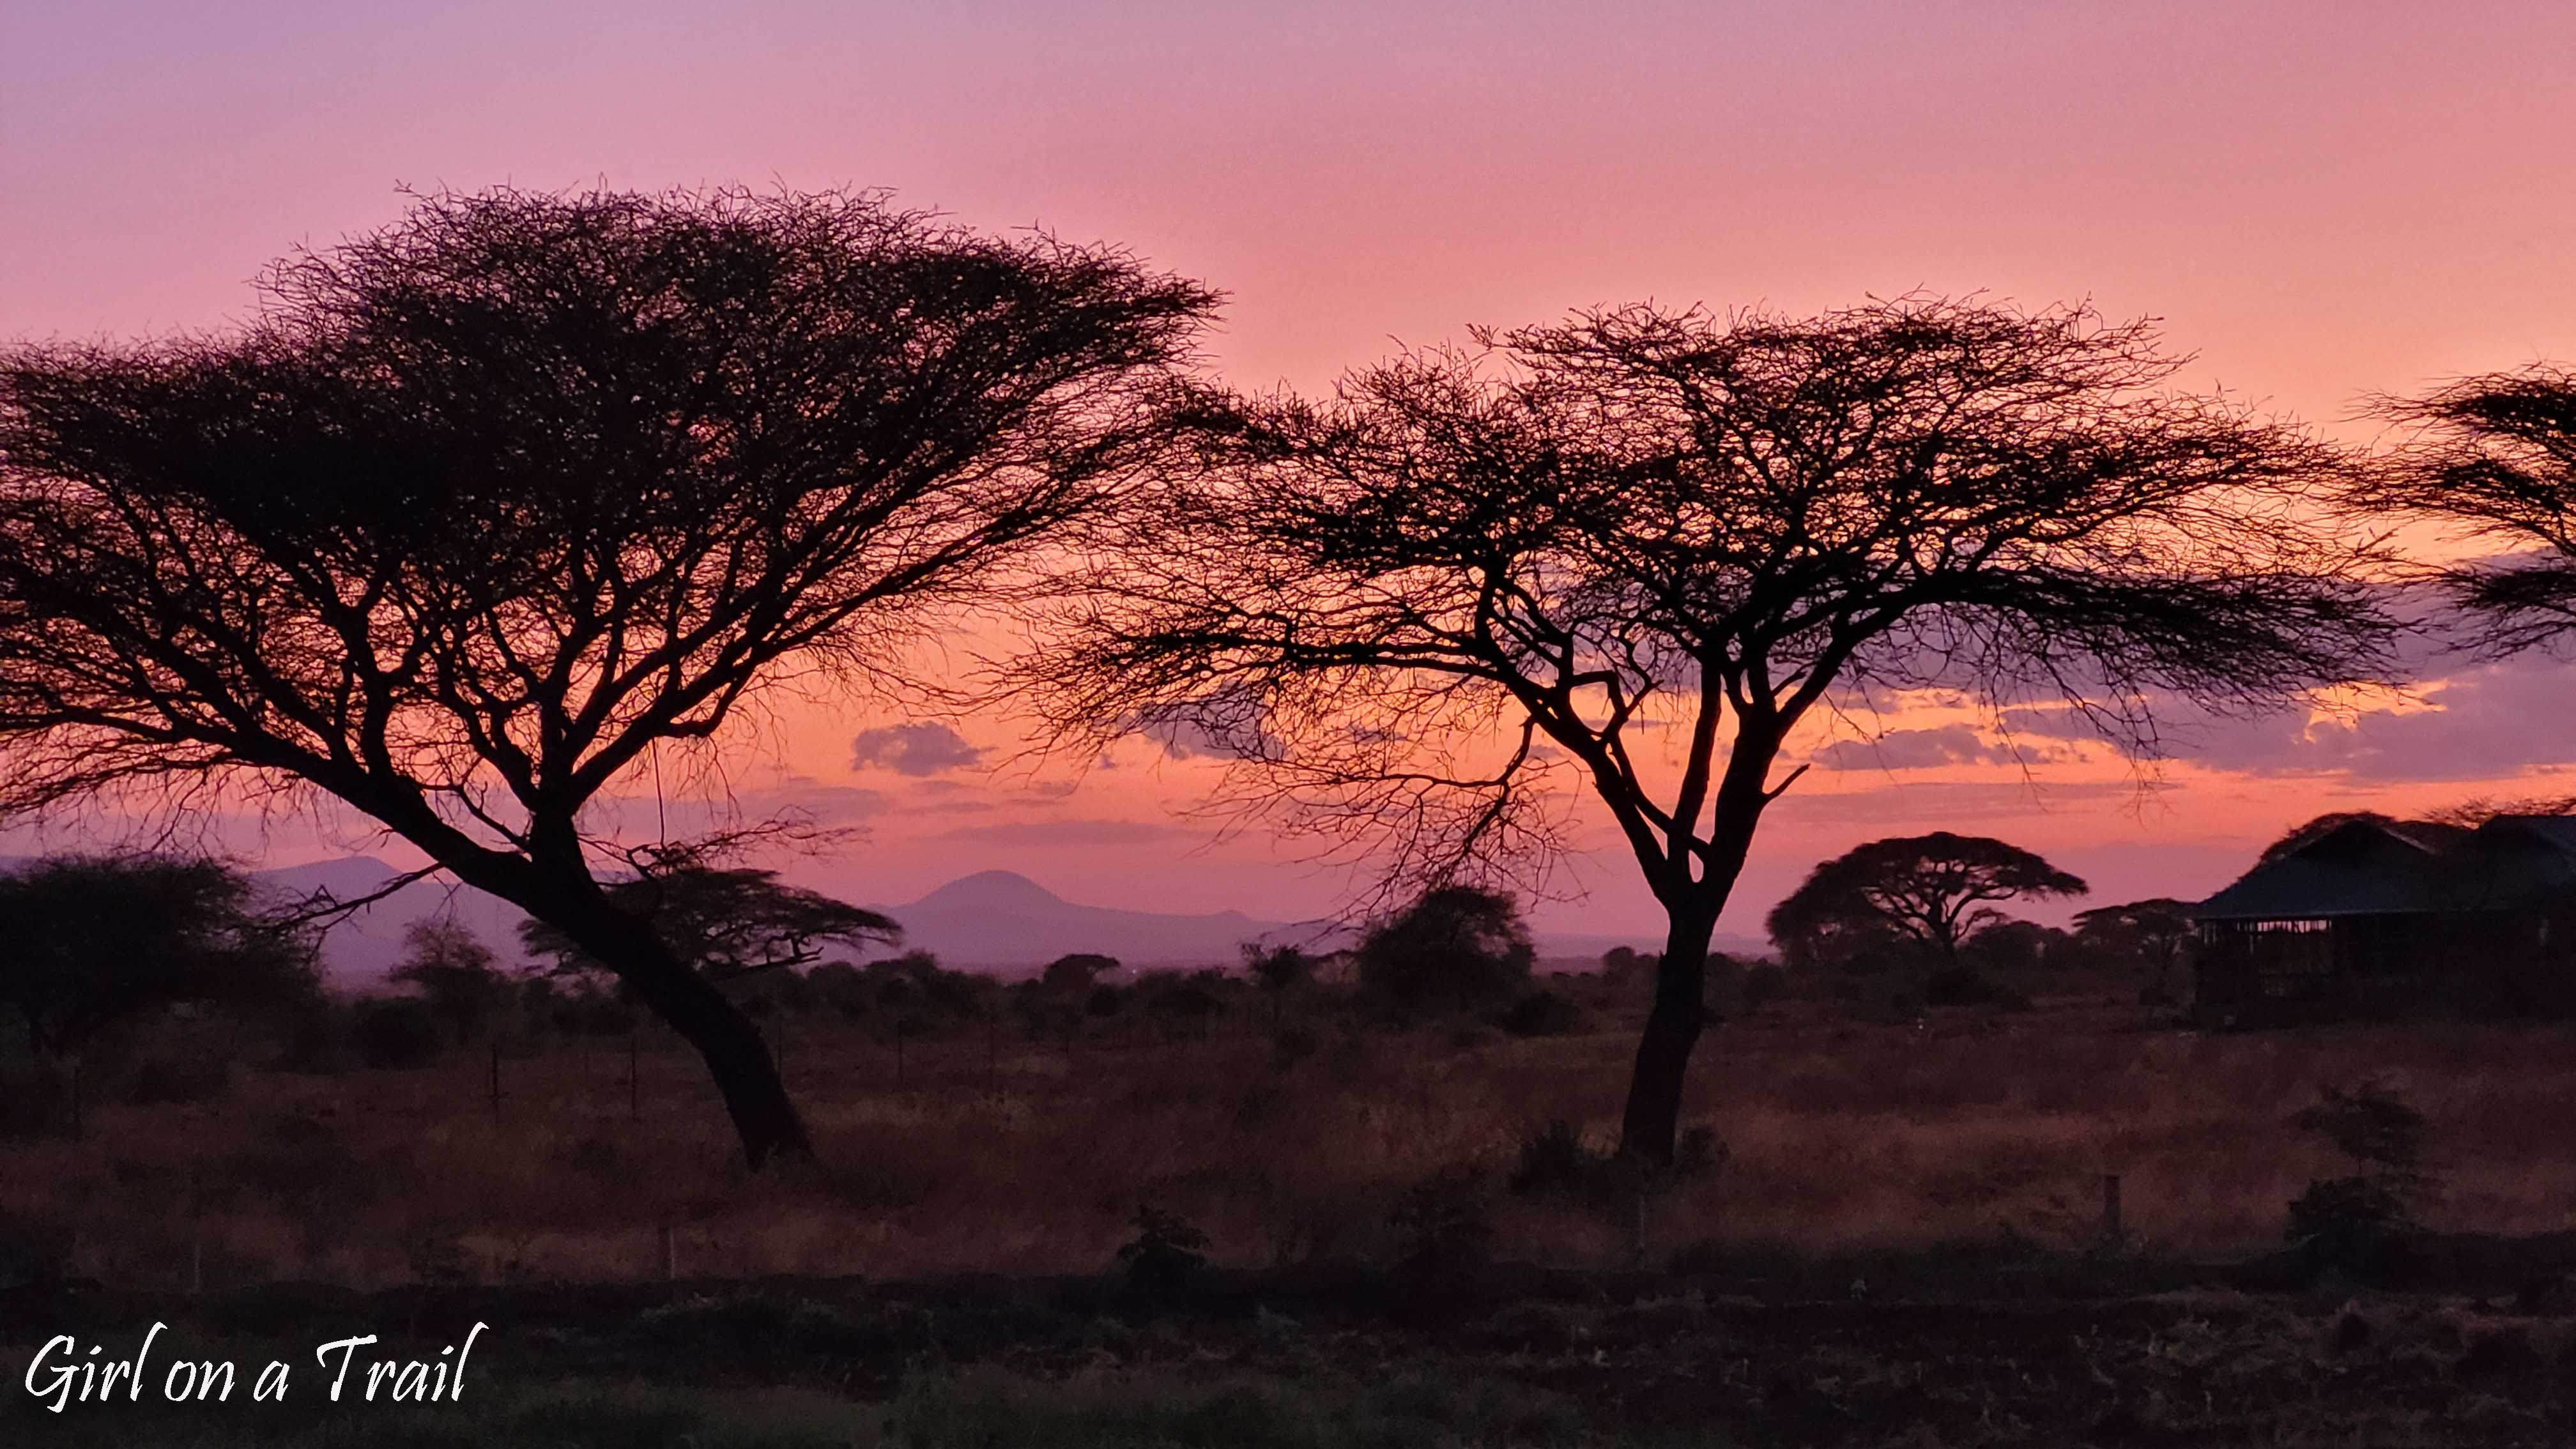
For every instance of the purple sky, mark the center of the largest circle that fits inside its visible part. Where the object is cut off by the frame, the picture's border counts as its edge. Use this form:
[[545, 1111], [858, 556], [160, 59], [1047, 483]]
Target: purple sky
[[2321, 200]]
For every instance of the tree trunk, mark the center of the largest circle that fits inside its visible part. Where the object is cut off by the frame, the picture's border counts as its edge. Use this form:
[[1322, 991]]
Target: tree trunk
[[1653, 1117], [736, 1056]]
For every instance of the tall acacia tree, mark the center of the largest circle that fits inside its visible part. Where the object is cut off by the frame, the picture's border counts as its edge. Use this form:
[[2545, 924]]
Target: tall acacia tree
[[1644, 546], [482, 506]]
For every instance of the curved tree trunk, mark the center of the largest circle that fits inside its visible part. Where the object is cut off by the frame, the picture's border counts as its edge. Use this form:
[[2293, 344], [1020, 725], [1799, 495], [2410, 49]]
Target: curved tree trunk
[[1653, 1117], [736, 1056]]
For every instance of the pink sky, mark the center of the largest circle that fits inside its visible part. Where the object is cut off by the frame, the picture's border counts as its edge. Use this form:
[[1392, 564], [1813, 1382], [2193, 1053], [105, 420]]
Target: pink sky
[[2320, 200]]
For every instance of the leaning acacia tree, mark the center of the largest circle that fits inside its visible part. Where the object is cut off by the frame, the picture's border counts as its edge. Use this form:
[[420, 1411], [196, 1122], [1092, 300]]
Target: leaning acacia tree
[[482, 506], [1650, 544]]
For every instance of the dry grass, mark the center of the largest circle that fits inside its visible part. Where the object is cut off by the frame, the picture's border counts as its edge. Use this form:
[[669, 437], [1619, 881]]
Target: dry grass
[[1841, 1135]]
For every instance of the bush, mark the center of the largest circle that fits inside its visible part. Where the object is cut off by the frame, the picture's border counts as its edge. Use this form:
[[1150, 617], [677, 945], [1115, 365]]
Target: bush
[[2347, 1217], [1293, 1042], [2344, 1218], [1555, 1158], [1166, 1253], [396, 1033], [1444, 1223], [1458, 948], [174, 1078], [1967, 986], [1763, 984], [1541, 1013]]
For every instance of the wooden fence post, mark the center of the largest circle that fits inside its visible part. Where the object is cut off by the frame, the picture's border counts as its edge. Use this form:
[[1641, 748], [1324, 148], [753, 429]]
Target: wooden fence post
[[496, 1081], [2113, 1236], [196, 1237]]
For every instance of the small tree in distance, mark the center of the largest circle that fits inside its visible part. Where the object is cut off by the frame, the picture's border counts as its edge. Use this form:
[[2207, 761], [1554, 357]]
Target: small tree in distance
[[1458, 948], [98, 940], [1929, 891], [1076, 973], [2153, 936], [455, 974]]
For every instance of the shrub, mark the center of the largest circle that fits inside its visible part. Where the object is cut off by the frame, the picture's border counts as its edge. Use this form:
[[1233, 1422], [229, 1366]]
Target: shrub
[[2373, 1125], [1555, 1158], [1293, 1042], [176, 1077], [2342, 1217], [1165, 1253], [396, 1033], [1764, 983], [1541, 1013], [1458, 948], [1444, 1222]]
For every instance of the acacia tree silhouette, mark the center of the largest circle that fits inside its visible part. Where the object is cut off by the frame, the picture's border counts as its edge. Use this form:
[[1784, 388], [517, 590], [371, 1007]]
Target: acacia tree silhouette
[[1928, 889], [481, 506], [1399, 609], [2494, 456]]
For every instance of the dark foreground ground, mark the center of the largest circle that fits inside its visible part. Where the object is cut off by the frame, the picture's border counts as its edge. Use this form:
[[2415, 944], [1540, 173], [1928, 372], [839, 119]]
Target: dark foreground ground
[[1933, 1349]]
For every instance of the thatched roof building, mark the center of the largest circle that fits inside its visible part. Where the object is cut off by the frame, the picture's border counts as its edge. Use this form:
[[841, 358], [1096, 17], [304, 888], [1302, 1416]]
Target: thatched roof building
[[2390, 915]]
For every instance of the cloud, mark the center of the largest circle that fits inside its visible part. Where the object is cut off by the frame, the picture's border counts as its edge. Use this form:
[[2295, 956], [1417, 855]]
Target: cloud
[[1072, 832], [2489, 722], [917, 749], [1924, 749], [1946, 801]]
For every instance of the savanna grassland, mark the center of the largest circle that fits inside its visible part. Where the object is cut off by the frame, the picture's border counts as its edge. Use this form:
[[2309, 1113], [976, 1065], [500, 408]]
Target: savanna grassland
[[1900, 1240]]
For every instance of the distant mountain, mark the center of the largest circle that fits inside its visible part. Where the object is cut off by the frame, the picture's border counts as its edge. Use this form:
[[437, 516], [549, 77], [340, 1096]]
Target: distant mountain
[[1003, 920], [363, 948], [995, 920]]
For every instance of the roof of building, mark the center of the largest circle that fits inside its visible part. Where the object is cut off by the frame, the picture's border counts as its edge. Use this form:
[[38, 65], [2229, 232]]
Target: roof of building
[[2371, 866]]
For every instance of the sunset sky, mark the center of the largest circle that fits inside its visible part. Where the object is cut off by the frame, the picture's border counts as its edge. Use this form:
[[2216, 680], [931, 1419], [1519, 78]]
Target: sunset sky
[[2320, 200]]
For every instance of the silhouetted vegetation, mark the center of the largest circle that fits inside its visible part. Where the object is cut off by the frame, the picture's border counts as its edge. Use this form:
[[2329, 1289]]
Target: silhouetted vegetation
[[1459, 948], [2493, 457], [482, 509], [1384, 604], [2347, 1219], [94, 941], [456, 977], [724, 921]]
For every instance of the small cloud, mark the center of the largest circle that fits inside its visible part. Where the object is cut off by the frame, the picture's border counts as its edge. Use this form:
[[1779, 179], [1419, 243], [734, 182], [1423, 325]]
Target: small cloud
[[918, 749], [1913, 750]]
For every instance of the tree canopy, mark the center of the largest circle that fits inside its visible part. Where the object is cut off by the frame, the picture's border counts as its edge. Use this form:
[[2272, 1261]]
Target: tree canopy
[[2495, 457], [1457, 948], [95, 940], [480, 509], [1930, 891], [725, 921]]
